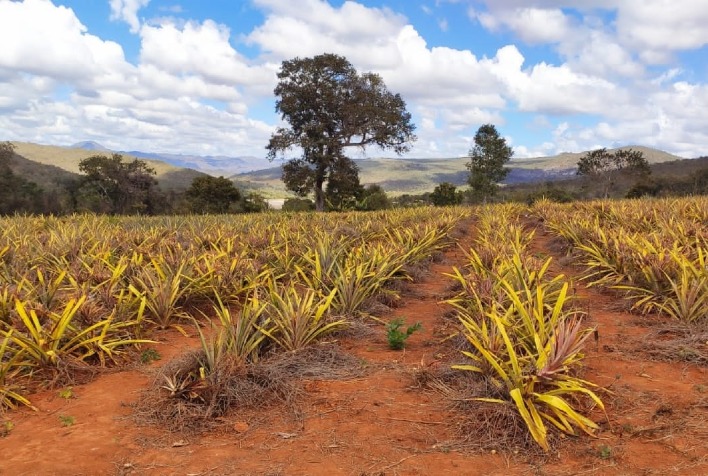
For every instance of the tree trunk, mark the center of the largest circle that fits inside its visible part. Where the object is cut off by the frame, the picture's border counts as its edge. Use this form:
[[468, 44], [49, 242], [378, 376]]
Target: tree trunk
[[321, 173], [319, 196]]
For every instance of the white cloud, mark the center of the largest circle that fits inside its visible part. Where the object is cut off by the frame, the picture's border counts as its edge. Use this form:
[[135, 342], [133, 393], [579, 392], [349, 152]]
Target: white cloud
[[550, 89], [194, 90], [60, 84], [669, 119], [366, 36], [533, 25], [203, 49], [46, 40], [657, 28], [651, 29], [127, 11], [586, 45]]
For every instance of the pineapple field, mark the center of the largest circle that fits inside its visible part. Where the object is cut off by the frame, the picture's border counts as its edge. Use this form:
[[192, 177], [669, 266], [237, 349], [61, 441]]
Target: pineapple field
[[497, 339]]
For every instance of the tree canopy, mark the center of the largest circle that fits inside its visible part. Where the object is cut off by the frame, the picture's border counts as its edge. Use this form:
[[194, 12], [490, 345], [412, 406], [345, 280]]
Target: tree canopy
[[209, 194], [446, 194], [606, 166], [113, 186], [329, 106], [487, 159]]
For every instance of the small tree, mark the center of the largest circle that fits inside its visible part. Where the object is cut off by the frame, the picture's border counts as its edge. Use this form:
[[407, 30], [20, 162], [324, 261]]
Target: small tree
[[329, 106], [212, 195], [253, 202], [122, 187], [487, 159], [374, 198], [446, 194], [605, 167], [298, 205]]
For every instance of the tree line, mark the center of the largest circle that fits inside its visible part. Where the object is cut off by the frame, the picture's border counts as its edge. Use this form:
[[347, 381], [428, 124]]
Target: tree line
[[112, 185], [329, 107]]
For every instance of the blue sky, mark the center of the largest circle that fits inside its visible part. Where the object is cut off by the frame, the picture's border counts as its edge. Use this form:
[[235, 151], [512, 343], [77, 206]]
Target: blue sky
[[196, 77]]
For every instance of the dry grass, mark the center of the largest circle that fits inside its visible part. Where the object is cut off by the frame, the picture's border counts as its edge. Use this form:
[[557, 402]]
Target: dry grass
[[478, 426], [676, 343], [233, 386]]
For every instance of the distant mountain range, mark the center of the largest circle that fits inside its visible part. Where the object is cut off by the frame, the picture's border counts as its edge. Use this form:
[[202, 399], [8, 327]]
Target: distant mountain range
[[397, 176], [211, 164]]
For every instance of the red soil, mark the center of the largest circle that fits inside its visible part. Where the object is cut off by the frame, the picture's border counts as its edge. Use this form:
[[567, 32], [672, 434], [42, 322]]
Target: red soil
[[380, 423]]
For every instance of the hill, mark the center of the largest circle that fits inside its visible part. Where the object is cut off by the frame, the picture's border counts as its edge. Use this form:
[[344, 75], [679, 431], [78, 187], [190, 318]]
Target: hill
[[48, 177], [415, 176], [170, 177], [396, 176], [569, 160], [215, 165]]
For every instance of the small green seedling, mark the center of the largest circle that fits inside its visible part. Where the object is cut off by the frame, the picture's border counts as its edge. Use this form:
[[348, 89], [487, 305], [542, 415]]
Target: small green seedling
[[605, 452], [397, 337], [6, 428], [66, 393], [149, 355], [67, 420]]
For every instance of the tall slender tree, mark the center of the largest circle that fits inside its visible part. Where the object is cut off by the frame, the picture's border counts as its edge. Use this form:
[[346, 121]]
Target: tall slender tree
[[487, 159]]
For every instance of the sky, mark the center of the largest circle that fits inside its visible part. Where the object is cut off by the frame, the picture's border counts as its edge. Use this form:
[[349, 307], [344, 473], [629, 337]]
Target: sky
[[197, 76]]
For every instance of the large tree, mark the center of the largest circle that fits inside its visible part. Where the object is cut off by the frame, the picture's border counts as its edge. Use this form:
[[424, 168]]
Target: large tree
[[487, 159], [113, 186], [605, 167], [329, 106], [209, 194]]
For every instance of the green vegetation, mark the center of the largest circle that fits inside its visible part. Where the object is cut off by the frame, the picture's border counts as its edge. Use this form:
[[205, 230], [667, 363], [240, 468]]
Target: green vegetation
[[38, 187], [603, 166], [418, 177], [169, 177], [212, 195], [487, 159], [16, 193], [653, 251], [6, 427], [397, 337], [66, 393], [298, 205], [525, 337], [67, 420], [88, 290], [112, 186], [329, 106], [446, 194], [148, 356]]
